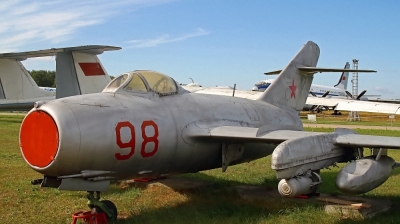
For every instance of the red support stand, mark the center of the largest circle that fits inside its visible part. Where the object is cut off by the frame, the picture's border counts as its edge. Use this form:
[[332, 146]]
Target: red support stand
[[89, 218], [307, 196], [146, 180]]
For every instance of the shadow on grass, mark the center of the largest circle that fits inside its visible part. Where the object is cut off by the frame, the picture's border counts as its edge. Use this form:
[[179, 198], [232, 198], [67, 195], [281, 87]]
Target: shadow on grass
[[220, 203], [216, 204]]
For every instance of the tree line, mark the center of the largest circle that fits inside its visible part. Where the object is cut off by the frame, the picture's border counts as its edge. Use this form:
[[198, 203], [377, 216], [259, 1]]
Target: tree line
[[44, 78]]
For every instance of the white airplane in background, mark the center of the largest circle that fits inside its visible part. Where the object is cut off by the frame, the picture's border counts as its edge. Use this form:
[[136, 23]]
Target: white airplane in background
[[78, 71], [48, 89], [316, 90], [339, 104]]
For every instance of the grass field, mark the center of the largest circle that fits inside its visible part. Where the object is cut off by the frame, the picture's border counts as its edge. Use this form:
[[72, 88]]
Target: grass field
[[23, 203], [368, 119]]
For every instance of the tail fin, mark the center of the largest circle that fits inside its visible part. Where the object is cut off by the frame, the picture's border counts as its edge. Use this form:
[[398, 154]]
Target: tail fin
[[290, 89], [15, 81], [78, 69], [344, 78]]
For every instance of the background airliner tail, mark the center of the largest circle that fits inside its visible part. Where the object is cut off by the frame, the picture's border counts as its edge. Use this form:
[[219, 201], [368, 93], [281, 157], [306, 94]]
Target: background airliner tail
[[344, 78], [79, 70], [15, 81], [290, 89]]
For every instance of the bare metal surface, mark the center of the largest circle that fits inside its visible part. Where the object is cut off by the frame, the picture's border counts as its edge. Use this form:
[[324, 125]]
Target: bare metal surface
[[364, 174]]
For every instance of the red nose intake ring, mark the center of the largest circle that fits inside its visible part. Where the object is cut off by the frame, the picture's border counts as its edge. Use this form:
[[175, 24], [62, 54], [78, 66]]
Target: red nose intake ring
[[38, 139]]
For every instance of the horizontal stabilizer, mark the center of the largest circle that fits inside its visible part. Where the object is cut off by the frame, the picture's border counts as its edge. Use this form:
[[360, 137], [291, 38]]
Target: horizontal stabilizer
[[89, 49], [313, 70]]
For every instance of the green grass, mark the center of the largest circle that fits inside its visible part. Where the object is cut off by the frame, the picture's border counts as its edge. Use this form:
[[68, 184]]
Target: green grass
[[24, 203], [367, 119]]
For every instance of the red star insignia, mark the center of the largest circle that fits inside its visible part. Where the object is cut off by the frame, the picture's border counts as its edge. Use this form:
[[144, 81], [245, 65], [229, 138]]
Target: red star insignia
[[344, 78], [293, 88]]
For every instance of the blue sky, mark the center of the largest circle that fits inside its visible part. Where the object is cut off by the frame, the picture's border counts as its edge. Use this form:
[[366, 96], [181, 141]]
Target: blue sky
[[214, 42]]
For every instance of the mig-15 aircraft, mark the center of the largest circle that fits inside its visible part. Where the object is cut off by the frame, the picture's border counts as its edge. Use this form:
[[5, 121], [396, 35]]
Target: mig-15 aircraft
[[144, 125]]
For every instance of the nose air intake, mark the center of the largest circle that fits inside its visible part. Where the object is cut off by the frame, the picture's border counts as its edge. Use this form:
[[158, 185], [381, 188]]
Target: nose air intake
[[39, 139]]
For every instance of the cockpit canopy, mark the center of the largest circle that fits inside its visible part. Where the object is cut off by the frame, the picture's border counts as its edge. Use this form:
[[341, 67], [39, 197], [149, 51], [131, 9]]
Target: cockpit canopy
[[143, 81]]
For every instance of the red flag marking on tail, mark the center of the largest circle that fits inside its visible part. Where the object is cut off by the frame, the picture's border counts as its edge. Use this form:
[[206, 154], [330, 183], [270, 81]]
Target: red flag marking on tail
[[344, 78], [293, 88], [92, 69]]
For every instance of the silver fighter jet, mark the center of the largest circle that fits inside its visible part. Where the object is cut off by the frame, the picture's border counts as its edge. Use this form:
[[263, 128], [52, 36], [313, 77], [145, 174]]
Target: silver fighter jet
[[144, 124]]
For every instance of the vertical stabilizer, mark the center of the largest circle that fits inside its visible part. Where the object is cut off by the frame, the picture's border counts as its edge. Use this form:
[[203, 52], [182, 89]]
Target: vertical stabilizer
[[66, 79], [344, 78], [16, 83], [290, 89], [79, 71]]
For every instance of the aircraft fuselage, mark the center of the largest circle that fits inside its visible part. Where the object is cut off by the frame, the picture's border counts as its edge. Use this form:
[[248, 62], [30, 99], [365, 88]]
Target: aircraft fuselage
[[145, 135]]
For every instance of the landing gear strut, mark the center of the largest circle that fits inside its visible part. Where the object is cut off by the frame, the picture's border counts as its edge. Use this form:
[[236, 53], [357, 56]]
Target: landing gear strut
[[105, 206]]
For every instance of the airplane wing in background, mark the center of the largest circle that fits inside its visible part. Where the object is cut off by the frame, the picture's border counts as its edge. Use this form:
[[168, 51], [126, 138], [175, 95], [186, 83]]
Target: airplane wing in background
[[320, 101], [338, 103], [356, 105]]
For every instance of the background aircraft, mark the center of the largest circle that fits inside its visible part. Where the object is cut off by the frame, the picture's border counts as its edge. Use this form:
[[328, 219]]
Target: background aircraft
[[318, 90], [78, 71], [18, 91], [144, 124], [336, 103]]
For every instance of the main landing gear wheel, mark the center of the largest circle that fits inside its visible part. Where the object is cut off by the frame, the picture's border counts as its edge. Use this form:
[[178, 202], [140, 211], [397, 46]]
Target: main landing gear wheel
[[104, 206]]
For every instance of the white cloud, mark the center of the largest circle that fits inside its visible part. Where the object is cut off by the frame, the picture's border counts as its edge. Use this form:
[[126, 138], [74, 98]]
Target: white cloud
[[26, 22], [165, 39]]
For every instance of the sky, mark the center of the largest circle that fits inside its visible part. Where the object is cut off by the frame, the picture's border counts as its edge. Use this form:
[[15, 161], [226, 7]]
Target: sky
[[214, 42]]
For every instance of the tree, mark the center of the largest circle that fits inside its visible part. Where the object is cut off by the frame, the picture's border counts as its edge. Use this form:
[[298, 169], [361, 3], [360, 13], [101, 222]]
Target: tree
[[44, 78]]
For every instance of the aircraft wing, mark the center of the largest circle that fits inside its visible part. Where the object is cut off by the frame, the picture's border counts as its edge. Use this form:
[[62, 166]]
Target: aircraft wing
[[344, 137], [356, 105], [329, 102], [252, 95]]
